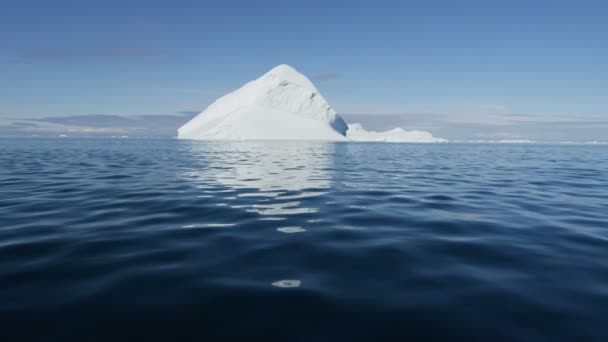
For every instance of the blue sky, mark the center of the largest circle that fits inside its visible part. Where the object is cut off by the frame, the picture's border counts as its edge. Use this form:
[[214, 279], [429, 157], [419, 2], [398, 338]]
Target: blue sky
[[452, 67]]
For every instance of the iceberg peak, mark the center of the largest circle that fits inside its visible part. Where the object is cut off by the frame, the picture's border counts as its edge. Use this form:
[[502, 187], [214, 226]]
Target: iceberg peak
[[286, 73]]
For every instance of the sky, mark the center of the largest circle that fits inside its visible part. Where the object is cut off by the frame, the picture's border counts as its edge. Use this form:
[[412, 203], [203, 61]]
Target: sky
[[476, 70]]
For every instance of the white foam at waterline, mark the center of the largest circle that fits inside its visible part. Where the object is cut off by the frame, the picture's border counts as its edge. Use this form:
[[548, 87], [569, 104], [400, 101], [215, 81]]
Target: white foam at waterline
[[273, 218], [287, 283], [209, 225], [314, 220], [291, 230]]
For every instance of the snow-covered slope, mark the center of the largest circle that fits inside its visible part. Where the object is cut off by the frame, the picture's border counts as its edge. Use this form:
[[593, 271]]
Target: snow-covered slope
[[356, 132], [281, 105]]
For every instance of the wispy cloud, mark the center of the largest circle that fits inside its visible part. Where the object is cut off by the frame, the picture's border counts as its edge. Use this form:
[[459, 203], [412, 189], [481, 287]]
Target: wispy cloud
[[492, 107], [80, 53]]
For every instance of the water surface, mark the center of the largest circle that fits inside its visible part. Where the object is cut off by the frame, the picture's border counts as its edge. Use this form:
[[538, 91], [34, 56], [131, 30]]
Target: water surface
[[105, 239]]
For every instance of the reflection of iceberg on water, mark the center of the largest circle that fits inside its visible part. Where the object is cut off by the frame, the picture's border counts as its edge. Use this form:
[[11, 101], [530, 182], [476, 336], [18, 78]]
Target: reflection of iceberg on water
[[270, 179]]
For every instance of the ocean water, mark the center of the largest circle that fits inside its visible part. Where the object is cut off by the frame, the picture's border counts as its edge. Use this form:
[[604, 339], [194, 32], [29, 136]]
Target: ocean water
[[104, 239]]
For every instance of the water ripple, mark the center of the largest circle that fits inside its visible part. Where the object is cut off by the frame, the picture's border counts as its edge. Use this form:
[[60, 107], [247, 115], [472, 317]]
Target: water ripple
[[276, 240]]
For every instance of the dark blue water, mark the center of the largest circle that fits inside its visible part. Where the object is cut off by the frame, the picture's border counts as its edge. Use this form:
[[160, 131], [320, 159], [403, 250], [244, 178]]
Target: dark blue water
[[166, 240]]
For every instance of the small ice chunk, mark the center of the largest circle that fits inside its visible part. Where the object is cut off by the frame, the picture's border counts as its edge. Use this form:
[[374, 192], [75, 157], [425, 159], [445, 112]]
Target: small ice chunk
[[291, 230], [287, 283]]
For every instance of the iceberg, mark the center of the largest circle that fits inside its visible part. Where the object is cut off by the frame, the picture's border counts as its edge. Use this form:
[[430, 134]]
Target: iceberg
[[356, 132], [281, 105]]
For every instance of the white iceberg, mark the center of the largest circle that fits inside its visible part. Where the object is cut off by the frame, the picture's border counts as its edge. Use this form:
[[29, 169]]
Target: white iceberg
[[281, 105], [356, 132]]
